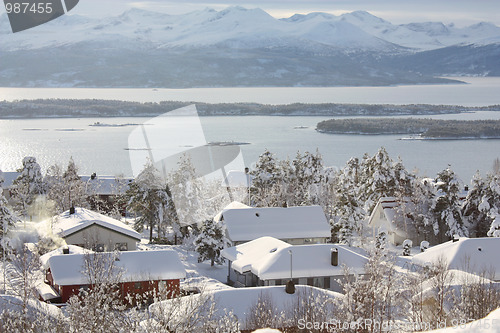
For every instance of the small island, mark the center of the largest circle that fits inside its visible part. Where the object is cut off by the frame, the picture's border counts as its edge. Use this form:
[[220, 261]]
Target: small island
[[427, 129]]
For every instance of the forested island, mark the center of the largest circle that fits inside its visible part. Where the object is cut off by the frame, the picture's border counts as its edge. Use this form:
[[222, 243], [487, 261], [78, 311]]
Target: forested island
[[423, 128], [47, 108]]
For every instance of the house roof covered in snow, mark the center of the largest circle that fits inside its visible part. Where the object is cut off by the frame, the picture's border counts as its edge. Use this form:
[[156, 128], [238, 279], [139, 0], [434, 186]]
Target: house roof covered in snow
[[394, 218], [269, 258], [232, 205], [8, 178], [239, 301], [131, 266], [66, 224], [475, 255], [106, 185], [72, 249], [283, 223], [246, 254]]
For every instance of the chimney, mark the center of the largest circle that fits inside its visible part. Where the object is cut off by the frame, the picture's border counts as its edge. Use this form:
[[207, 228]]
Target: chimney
[[93, 176], [71, 210], [65, 250], [335, 257]]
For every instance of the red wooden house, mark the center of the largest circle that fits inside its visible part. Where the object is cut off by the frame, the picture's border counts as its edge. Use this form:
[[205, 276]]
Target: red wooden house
[[135, 272]]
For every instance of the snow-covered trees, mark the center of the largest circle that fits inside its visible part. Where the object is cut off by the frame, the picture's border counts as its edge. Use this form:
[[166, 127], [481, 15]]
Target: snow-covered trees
[[380, 177], [267, 179], [285, 183], [210, 242], [482, 206], [27, 186], [374, 297], [349, 214], [7, 217], [187, 193], [150, 198], [66, 188], [446, 207]]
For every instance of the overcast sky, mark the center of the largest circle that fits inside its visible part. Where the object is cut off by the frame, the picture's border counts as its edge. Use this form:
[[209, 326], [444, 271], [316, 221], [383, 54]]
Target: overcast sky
[[460, 12]]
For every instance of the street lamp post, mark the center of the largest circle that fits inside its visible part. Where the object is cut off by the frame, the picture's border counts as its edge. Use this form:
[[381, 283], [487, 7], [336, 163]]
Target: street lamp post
[[290, 287]]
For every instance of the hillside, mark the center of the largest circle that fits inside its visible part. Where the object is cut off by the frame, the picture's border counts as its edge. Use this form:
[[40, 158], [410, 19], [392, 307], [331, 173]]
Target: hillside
[[242, 47]]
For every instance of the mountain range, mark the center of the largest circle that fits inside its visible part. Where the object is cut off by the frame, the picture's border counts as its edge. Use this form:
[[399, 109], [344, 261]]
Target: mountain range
[[242, 47]]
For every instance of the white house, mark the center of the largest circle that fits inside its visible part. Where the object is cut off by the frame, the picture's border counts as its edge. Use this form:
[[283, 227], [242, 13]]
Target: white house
[[294, 225], [268, 261], [89, 229], [239, 302], [389, 216], [472, 255]]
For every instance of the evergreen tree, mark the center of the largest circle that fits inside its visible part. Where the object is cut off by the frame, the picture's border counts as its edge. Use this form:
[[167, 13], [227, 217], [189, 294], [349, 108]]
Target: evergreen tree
[[266, 190], [66, 189], [446, 207], [419, 211], [347, 210], [477, 220], [307, 180], [210, 242], [27, 186], [150, 198], [490, 203], [187, 194], [381, 177], [7, 217]]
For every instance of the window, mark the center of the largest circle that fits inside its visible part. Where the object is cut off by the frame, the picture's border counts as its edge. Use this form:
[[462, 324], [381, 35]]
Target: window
[[277, 282], [121, 246], [326, 283], [138, 285], [99, 248], [310, 281]]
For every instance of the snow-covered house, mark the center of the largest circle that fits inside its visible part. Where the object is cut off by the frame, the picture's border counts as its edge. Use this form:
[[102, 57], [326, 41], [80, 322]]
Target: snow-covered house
[[294, 225], [239, 302], [389, 216], [90, 229], [136, 272], [472, 255], [268, 261], [8, 180], [106, 188]]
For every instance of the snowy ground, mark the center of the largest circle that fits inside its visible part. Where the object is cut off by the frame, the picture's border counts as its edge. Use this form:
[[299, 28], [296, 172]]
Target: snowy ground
[[198, 275]]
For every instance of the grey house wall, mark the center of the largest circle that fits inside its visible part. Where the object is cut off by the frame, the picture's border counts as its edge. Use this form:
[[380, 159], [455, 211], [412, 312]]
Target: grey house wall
[[96, 234]]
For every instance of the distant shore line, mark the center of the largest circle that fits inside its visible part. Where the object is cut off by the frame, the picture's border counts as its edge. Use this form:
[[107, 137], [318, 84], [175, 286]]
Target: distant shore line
[[92, 108]]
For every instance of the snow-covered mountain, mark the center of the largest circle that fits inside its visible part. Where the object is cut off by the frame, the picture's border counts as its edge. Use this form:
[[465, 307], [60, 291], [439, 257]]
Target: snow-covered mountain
[[236, 46]]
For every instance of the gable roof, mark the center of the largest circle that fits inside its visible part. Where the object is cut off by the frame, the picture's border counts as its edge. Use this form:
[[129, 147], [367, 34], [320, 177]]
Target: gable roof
[[239, 302], [66, 224], [106, 185], [394, 216], [476, 255], [67, 269], [73, 249], [8, 178], [246, 254], [283, 223], [269, 258]]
